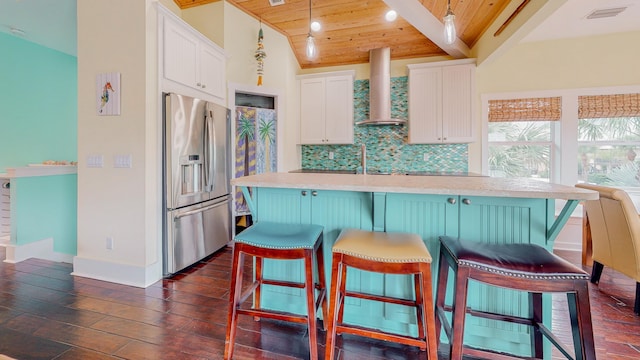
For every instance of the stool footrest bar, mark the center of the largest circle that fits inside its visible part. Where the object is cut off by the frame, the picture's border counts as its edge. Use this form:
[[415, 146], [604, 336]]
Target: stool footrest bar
[[274, 315], [283, 283], [387, 299], [380, 335]]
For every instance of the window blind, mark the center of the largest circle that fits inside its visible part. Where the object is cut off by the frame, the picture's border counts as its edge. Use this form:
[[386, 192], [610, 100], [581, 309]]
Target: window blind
[[608, 106], [526, 109]]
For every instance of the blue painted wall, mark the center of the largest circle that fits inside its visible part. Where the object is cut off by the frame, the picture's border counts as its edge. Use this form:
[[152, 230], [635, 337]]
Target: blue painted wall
[[387, 148], [38, 104], [46, 207]]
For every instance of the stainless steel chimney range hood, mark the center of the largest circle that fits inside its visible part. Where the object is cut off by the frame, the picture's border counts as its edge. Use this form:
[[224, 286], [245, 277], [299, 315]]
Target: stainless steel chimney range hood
[[380, 89]]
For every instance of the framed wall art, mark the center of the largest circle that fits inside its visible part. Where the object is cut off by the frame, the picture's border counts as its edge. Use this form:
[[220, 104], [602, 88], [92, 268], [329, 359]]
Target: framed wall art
[[108, 93]]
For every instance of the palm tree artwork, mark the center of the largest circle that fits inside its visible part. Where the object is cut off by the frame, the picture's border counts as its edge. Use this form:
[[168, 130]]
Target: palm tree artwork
[[255, 146], [266, 122], [245, 150]]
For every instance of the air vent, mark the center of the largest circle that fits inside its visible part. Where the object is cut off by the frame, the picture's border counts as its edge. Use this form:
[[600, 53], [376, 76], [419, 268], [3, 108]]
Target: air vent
[[605, 13], [276, 2]]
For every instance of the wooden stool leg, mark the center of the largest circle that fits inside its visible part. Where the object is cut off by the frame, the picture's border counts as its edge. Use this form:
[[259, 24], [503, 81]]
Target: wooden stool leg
[[257, 294], [535, 306], [460, 287], [581, 327], [342, 290], [336, 278], [428, 309], [418, 284], [310, 289], [441, 293], [323, 286], [234, 298]]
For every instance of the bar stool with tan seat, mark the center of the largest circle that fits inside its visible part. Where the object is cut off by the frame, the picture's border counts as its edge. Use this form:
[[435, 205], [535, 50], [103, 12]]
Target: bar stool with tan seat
[[389, 253], [524, 267], [280, 242]]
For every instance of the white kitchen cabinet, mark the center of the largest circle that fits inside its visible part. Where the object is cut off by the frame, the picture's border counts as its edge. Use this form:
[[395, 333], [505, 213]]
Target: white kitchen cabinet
[[326, 108], [189, 59], [441, 102]]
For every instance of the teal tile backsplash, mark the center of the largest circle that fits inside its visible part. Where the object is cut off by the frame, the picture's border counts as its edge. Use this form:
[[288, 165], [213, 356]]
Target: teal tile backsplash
[[387, 148]]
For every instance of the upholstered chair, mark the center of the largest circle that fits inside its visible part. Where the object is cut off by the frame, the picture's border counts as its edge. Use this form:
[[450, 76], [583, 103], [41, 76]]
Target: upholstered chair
[[615, 233]]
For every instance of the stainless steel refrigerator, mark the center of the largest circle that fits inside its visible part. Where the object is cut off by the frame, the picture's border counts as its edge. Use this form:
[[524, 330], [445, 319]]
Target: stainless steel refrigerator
[[197, 210]]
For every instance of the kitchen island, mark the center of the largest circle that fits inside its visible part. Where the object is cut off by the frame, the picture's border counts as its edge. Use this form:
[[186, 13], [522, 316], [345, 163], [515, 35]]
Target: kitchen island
[[482, 209]]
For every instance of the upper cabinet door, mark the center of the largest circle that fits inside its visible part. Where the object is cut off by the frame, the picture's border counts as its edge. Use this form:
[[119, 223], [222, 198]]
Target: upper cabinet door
[[339, 110], [211, 78], [312, 107], [180, 55], [425, 106], [189, 63], [457, 104], [326, 108], [441, 102]]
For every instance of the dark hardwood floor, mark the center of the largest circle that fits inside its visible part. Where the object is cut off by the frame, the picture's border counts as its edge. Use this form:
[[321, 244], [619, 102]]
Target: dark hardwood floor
[[45, 313]]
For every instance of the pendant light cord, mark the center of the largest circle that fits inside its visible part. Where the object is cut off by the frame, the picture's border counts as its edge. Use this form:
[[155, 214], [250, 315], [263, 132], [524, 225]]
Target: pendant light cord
[[310, 17]]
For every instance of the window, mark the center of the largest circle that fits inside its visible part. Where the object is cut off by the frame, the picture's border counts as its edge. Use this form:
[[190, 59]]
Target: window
[[609, 140], [520, 133]]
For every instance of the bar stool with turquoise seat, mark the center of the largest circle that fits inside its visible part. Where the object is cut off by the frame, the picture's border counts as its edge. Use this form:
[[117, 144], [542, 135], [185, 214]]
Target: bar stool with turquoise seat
[[388, 253], [279, 242]]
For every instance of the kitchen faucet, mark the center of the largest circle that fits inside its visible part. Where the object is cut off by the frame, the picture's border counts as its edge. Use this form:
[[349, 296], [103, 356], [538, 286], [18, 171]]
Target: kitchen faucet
[[363, 158]]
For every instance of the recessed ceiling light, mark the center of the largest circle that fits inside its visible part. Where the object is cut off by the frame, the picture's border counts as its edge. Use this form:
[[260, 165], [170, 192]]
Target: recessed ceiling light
[[391, 15], [315, 26]]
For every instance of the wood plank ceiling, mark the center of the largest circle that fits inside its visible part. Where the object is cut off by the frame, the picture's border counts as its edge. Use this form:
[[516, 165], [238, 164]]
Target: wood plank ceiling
[[350, 28]]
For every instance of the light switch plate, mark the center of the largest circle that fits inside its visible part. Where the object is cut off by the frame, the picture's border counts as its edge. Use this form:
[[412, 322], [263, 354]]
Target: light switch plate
[[95, 161], [122, 161]]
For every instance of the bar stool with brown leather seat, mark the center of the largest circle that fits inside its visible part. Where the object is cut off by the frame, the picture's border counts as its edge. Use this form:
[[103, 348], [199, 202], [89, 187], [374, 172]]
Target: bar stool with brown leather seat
[[524, 267], [389, 253], [280, 242]]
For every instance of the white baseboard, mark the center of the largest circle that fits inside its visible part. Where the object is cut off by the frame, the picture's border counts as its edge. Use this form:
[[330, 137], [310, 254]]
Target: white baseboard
[[42, 249], [570, 237], [116, 272]]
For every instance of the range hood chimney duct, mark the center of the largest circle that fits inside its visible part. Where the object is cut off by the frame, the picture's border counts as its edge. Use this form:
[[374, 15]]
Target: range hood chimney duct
[[380, 89]]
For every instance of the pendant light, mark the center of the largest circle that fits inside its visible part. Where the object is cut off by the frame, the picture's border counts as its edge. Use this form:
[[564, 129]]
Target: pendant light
[[311, 50], [449, 27]]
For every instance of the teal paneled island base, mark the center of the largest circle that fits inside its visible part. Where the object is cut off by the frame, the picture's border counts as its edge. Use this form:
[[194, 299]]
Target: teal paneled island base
[[491, 210]]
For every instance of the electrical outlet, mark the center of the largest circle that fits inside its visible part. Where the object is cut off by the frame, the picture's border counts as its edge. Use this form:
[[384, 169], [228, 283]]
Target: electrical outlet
[[425, 157], [330, 155], [109, 243]]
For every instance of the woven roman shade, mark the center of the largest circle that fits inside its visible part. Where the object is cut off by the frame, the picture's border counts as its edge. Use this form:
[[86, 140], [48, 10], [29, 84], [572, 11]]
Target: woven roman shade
[[526, 109], [608, 106]]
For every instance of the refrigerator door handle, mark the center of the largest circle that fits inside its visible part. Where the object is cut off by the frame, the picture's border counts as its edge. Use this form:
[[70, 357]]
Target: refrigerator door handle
[[181, 215], [209, 151]]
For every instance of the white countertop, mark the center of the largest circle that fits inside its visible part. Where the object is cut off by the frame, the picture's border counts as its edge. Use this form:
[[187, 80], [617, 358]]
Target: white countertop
[[446, 185], [39, 170]]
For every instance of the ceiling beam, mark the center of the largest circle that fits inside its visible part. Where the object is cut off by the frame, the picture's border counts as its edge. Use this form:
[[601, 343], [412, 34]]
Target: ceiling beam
[[430, 26]]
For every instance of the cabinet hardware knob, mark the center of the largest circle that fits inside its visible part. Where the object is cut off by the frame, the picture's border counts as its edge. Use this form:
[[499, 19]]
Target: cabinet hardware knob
[[314, 193], [304, 193], [204, 86], [198, 84], [466, 201], [451, 201]]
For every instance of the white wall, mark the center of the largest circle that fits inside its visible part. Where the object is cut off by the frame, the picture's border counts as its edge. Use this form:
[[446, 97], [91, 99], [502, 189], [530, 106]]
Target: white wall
[[118, 36], [280, 68], [125, 204], [598, 61], [607, 61]]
